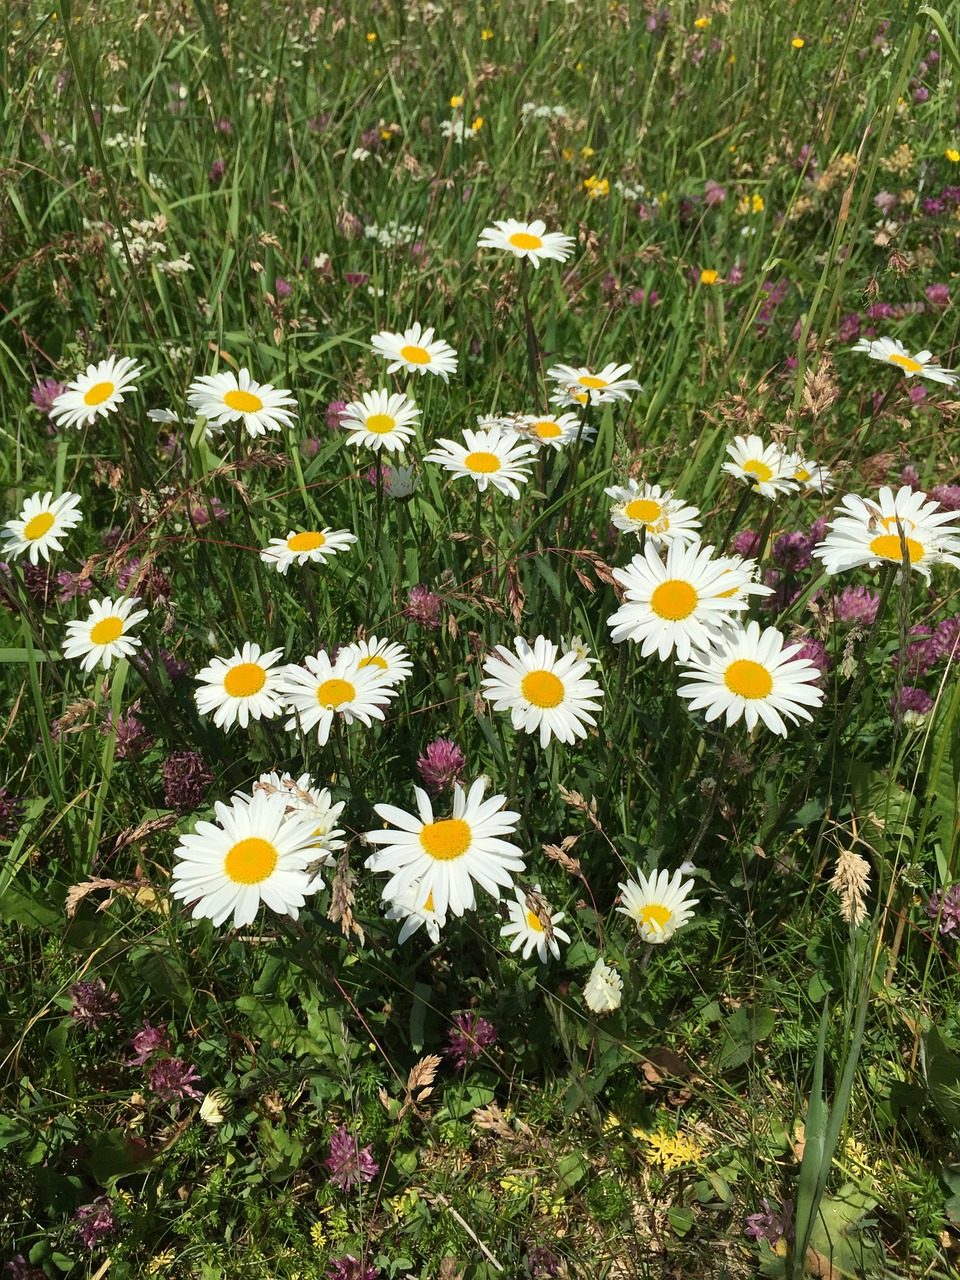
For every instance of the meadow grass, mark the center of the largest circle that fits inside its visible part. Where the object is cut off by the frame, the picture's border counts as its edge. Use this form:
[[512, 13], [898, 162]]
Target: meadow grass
[[749, 189]]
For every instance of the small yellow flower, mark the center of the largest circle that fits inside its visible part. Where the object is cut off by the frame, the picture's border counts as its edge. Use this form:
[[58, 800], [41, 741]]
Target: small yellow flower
[[477, 124], [456, 100], [701, 22], [159, 1261], [671, 1152], [567, 153], [514, 1185], [371, 36], [709, 276], [551, 1206], [610, 1123], [586, 152], [486, 34], [596, 187], [797, 42], [403, 1203], [757, 204], [952, 154], [385, 135], [318, 1235]]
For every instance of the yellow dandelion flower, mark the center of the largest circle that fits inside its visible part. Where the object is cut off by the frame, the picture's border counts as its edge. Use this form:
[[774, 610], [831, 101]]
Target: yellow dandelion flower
[[701, 22], [797, 42], [709, 276], [456, 100], [587, 152], [371, 36], [477, 124], [610, 1123], [952, 154], [567, 153], [385, 135], [756, 204]]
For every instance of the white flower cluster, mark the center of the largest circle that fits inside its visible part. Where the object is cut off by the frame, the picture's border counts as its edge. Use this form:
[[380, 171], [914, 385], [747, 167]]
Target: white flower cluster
[[531, 111], [392, 235]]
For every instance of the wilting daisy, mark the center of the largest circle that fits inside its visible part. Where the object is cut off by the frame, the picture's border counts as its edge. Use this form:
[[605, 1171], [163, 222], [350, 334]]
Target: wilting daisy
[[527, 240], [43, 521], [542, 692], [658, 904], [105, 634], [236, 397], [298, 548], [554, 432], [582, 386], [256, 853], [400, 482], [892, 351], [416, 350], [389, 658], [95, 393], [494, 457], [321, 689], [677, 605], [380, 420], [300, 796], [752, 675], [242, 688], [645, 508], [868, 533], [766, 467], [415, 908], [604, 989], [446, 855], [811, 477], [533, 927]]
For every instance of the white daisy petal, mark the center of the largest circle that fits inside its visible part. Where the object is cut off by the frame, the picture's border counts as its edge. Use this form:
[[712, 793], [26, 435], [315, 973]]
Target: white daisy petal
[[658, 904], [766, 467], [43, 521], [543, 693], [892, 351], [96, 393], [527, 240], [655, 513], [230, 397], [532, 927], [320, 690], [380, 420], [494, 456], [873, 533], [584, 386], [316, 545], [242, 688], [416, 351], [105, 634]]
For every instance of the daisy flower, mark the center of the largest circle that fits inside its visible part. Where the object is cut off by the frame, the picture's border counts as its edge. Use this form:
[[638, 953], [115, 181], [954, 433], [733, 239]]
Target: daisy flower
[[533, 927], [242, 688], [321, 689], [583, 386], [527, 240], [300, 796], [400, 482], [677, 605], [892, 351], [494, 457], [659, 904], [105, 634], [542, 692], [255, 854], [766, 467], [446, 856], [416, 351], [95, 393], [744, 583], [389, 658], [42, 523], [645, 508], [416, 909], [236, 397], [554, 432], [297, 548], [604, 988], [380, 421], [868, 533], [753, 676], [810, 475]]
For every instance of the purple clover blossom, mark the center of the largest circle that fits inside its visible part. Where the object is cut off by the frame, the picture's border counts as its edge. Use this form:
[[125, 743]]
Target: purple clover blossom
[[172, 1079], [205, 512], [132, 738], [335, 411], [441, 765], [770, 1225], [849, 329], [921, 653], [468, 1037], [857, 604], [71, 585], [938, 295], [93, 1004], [284, 287], [944, 906], [217, 170], [151, 584], [224, 126], [886, 202], [916, 393], [348, 1162], [792, 551], [19, 1268], [916, 701], [542, 1263], [148, 1040], [746, 543], [657, 20], [144, 662], [10, 809], [45, 392], [348, 1267], [95, 1222], [948, 495], [946, 639], [186, 780], [814, 651], [910, 476], [640, 297], [423, 607]]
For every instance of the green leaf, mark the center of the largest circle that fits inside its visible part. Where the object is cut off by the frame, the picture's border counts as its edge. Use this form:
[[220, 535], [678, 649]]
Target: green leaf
[[742, 1032], [942, 1069]]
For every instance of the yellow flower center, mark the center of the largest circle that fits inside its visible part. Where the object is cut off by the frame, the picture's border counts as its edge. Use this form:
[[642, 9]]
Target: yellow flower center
[[415, 355], [887, 546], [547, 430], [306, 542], [250, 861], [446, 840], [801, 474], [581, 397], [332, 694], [534, 922], [644, 510], [588, 380], [374, 660], [99, 392], [905, 362], [748, 679], [38, 526], [542, 688], [106, 630], [656, 914], [525, 240], [757, 467], [244, 680], [380, 423], [674, 600], [243, 401], [483, 462]]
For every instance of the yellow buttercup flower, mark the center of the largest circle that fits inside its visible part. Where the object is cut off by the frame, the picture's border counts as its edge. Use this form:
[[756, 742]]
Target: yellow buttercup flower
[[701, 22], [567, 153], [371, 36], [586, 152], [952, 154], [797, 42], [756, 204], [456, 100], [477, 124], [709, 276], [486, 34]]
